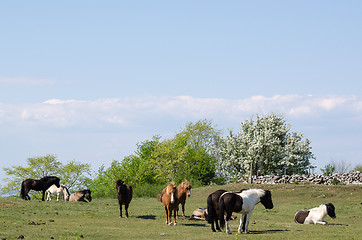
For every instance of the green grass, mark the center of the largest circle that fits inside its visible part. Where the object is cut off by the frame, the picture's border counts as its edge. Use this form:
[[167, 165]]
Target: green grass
[[99, 219]]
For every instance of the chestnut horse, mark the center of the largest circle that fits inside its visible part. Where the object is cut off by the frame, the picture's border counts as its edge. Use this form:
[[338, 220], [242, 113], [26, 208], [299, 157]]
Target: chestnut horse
[[184, 190], [124, 195], [169, 198], [80, 196]]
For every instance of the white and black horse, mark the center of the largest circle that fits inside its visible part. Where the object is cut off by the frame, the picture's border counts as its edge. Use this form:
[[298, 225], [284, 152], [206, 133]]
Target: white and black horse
[[315, 215], [62, 190], [244, 203]]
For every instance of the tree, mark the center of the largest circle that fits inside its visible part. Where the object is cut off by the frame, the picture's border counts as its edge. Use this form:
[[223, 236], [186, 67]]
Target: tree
[[264, 146], [72, 175], [328, 169]]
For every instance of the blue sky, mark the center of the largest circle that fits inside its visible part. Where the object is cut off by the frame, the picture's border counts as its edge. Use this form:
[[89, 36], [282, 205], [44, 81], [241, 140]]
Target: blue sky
[[87, 80]]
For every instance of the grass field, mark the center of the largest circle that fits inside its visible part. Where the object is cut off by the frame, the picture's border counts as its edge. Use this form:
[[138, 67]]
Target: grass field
[[99, 219]]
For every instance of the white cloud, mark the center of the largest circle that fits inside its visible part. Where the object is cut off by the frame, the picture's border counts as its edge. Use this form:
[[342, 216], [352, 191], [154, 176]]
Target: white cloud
[[125, 112]]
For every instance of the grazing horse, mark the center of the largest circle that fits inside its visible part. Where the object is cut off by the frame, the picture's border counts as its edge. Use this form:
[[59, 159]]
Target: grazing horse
[[243, 203], [315, 215], [78, 196], [38, 185], [184, 190], [58, 190], [169, 198], [124, 195]]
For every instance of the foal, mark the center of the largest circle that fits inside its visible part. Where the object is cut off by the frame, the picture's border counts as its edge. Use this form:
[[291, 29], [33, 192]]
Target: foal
[[57, 190], [315, 215], [184, 190], [243, 203], [169, 198], [124, 195]]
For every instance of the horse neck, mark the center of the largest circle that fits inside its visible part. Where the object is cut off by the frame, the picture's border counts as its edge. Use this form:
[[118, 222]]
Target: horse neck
[[323, 210]]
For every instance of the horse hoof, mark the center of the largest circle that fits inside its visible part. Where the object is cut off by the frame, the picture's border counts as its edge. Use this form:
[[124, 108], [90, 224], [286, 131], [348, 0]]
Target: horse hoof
[[170, 224]]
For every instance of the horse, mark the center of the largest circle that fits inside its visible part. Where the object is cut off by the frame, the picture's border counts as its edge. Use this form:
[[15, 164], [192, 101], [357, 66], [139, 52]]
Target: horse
[[315, 215], [169, 198], [202, 214], [183, 190], [124, 195], [212, 209], [243, 203], [38, 185], [80, 196], [58, 190]]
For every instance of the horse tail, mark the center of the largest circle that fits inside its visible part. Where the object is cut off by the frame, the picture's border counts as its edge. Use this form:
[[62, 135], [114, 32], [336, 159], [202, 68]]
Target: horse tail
[[221, 206], [159, 196], [211, 211], [22, 191]]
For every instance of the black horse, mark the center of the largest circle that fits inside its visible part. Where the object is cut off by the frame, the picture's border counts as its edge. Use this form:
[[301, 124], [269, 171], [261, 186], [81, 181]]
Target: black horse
[[38, 185], [212, 209], [124, 195]]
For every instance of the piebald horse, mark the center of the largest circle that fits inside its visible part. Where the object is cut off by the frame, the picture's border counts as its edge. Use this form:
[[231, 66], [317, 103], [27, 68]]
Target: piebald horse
[[243, 203], [183, 190], [58, 190], [315, 215], [169, 198]]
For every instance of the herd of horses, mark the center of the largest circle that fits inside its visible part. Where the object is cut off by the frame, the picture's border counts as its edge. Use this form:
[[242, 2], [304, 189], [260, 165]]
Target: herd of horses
[[220, 204]]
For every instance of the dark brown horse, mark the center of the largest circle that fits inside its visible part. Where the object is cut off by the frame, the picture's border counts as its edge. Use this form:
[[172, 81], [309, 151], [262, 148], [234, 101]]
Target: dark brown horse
[[169, 198], [80, 196], [38, 185], [124, 195], [212, 208], [183, 190]]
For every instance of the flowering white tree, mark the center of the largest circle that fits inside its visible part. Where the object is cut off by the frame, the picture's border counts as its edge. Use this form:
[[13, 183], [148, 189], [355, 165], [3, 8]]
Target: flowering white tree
[[264, 146]]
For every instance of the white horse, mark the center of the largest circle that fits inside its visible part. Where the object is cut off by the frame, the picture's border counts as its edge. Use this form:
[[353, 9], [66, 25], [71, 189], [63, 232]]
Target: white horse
[[315, 215], [244, 203], [55, 190]]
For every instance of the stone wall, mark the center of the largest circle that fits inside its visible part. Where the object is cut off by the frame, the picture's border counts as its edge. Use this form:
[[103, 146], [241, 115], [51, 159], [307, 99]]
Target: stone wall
[[341, 178]]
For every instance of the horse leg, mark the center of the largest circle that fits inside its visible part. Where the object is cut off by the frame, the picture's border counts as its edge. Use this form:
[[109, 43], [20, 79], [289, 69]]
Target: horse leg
[[242, 223], [217, 225], [169, 216], [120, 210], [166, 211], [247, 219], [174, 217], [227, 219], [126, 207], [183, 210], [42, 198]]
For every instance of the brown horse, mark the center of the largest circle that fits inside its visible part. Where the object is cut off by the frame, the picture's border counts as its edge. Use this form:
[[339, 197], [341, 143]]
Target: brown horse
[[124, 195], [184, 190], [169, 198]]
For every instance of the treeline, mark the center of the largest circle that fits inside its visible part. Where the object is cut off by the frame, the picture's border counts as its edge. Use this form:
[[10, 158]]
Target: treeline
[[199, 153]]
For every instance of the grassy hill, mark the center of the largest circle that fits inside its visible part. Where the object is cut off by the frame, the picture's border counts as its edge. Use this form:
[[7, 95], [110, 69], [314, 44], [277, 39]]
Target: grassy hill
[[99, 219]]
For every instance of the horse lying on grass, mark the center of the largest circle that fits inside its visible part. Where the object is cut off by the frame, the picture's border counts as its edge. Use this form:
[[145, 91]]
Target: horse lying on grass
[[62, 190], [315, 215], [38, 185], [243, 203], [124, 195], [202, 214], [80, 196]]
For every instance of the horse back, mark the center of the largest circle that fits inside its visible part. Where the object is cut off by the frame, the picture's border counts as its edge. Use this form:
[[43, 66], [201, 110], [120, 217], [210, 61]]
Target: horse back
[[124, 194]]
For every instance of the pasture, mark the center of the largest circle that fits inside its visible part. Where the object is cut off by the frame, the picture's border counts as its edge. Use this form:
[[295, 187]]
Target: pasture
[[100, 219]]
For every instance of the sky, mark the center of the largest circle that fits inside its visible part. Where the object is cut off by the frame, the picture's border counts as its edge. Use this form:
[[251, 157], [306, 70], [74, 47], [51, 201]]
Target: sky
[[88, 80]]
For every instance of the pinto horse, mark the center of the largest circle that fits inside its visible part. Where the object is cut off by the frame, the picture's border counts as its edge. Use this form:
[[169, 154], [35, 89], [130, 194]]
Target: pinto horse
[[124, 195], [80, 196], [169, 198], [57, 190], [315, 215], [243, 203], [38, 185], [183, 190]]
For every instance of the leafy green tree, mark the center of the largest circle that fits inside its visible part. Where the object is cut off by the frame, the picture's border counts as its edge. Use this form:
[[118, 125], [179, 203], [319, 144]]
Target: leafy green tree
[[328, 169], [73, 175], [264, 146]]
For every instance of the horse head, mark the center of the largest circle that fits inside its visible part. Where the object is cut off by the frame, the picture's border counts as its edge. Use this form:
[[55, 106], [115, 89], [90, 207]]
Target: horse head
[[330, 210], [266, 200], [187, 186], [87, 195], [66, 193]]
